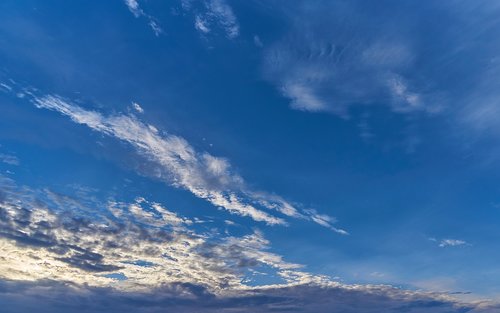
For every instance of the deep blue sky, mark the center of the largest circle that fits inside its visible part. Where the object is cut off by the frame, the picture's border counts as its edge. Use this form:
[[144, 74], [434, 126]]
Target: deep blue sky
[[294, 142]]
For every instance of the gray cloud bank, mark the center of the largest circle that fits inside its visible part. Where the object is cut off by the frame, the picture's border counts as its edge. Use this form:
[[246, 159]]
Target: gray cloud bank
[[54, 297]]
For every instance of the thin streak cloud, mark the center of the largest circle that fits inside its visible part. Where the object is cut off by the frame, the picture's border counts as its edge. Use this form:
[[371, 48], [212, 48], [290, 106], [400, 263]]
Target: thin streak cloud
[[204, 175]]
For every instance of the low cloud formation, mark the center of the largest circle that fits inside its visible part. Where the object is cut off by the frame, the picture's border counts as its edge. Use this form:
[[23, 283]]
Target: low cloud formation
[[341, 54], [54, 297], [129, 246], [62, 255]]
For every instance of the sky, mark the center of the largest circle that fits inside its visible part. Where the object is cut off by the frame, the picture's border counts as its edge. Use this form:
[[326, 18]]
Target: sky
[[249, 156]]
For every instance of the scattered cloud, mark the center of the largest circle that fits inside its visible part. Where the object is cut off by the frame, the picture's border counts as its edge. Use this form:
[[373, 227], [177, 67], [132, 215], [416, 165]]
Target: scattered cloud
[[135, 9], [213, 14], [133, 6], [142, 242], [66, 254], [9, 159], [137, 107], [201, 24], [449, 242], [346, 58], [333, 57], [144, 258], [55, 297]]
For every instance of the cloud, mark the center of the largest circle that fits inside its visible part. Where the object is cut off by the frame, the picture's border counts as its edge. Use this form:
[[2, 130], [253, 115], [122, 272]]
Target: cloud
[[55, 297], [133, 6], [205, 176], [137, 107], [142, 242], [222, 13], [201, 24], [135, 9], [451, 243], [136, 257], [336, 55], [9, 159], [437, 62], [213, 14]]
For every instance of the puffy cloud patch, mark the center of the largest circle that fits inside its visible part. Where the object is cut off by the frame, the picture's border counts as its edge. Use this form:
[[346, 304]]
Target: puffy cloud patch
[[129, 246], [336, 55]]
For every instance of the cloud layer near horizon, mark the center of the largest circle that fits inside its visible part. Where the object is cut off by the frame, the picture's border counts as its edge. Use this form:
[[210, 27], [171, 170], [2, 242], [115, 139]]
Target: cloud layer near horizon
[[62, 254], [55, 297]]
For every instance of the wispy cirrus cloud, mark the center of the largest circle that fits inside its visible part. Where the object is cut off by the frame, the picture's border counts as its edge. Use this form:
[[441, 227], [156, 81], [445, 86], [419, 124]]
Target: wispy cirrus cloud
[[9, 159], [137, 11], [205, 176], [338, 57], [210, 15], [55, 297], [447, 242], [452, 243], [328, 63]]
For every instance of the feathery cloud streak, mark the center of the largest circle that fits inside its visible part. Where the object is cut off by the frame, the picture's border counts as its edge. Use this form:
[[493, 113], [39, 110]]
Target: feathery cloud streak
[[135, 9], [204, 175], [211, 14]]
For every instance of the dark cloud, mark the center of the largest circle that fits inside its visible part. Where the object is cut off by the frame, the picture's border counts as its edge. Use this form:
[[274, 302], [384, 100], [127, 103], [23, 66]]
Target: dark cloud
[[54, 297]]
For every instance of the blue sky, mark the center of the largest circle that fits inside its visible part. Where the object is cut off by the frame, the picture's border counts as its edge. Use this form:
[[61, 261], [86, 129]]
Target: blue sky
[[249, 155]]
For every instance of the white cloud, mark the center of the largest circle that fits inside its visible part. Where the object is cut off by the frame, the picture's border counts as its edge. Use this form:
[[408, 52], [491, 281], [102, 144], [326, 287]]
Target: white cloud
[[116, 258], [151, 213], [334, 57], [201, 24], [303, 97], [223, 14], [204, 175], [187, 168], [137, 107], [157, 30], [5, 86], [257, 41], [9, 159], [144, 242], [403, 99], [133, 6], [213, 14], [451, 243]]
